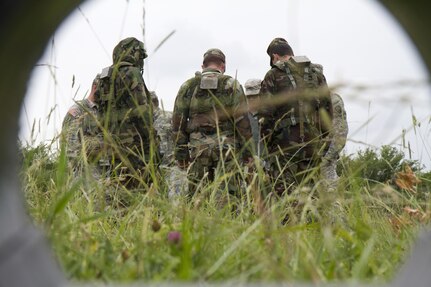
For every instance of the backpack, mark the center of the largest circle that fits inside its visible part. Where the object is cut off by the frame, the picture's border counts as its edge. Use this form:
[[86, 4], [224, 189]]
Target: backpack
[[311, 98], [129, 124], [210, 103]]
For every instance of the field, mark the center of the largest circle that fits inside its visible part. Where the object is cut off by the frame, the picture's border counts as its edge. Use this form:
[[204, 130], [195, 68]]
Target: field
[[361, 232]]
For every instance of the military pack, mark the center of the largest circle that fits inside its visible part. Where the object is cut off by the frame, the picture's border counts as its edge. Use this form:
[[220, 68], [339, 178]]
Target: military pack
[[304, 98], [210, 102]]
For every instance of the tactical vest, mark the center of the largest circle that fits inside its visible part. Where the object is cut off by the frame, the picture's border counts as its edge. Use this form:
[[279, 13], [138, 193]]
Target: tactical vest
[[210, 104], [302, 95]]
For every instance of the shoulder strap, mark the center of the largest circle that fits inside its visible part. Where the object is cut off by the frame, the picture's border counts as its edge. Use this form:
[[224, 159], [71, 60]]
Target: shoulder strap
[[290, 76]]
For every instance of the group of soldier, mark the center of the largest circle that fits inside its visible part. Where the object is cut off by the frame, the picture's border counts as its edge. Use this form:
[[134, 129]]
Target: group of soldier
[[289, 124]]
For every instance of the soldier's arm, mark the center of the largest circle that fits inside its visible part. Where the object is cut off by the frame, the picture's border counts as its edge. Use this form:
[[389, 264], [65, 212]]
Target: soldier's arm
[[91, 136], [267, 94], [70, 135], [180, 117], [138, 102], [339, 130], [267, 108]]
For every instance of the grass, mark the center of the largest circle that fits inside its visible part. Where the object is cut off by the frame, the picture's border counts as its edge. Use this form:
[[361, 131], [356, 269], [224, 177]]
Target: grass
[[360, 232]]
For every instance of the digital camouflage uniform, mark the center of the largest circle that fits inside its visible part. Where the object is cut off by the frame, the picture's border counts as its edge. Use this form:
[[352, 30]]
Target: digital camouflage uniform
[[252, 91], [338, 137], [126, 115], [210, 123], [79, 134], [295, 118], [175, 177], [163, 127]]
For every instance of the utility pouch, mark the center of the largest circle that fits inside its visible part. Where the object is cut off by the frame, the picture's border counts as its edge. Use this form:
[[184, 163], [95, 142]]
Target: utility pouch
[[209, 82]]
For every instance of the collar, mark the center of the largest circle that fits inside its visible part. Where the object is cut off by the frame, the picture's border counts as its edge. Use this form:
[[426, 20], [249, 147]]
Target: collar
[[210, 71], [90, 104]]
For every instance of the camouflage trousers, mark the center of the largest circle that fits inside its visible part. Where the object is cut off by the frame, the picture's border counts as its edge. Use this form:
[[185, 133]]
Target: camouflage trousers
[[212, 160], [176, 180], [287, 173], [293, 157], [328, 171]]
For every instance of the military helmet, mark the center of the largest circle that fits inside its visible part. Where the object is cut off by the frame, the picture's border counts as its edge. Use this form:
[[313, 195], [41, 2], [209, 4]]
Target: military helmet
[[214, 54], [130, 50], [252, 87]]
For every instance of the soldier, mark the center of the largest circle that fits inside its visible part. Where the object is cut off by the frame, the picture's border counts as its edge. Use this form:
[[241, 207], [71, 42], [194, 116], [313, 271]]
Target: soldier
[[176, 178], [295, 116], [252, 90], [163, 126], [338, 138], [210, 119], [79, 131], [126, 115]]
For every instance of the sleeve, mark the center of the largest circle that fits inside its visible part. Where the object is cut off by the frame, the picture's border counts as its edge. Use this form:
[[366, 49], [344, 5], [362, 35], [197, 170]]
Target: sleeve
[[70, 136], [267, 108], [138, 99], [91, 138], [180, 117], [136, 87], [339, 130]]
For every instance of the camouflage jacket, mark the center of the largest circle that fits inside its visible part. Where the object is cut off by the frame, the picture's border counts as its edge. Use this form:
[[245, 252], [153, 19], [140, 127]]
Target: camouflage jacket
[[254, 124], [79, 130], [209, 103], [126, 111], [163, 126], [283, 91]]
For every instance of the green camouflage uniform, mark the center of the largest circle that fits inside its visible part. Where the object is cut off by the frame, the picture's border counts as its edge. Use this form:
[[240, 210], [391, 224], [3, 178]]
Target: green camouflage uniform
[[210, 119], [126, 115], [337, 138], [295, 119], [79, 134]]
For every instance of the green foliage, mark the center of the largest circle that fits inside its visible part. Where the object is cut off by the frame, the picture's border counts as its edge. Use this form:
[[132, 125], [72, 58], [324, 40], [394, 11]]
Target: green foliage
[[378, 166], [354, 233]]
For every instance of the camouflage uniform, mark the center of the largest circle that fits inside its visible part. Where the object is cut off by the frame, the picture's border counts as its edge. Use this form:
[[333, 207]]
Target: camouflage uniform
[[126, 114], [252, 90], [79, 134], [338, 138], [295, 117], [209, 122], [163, 126]]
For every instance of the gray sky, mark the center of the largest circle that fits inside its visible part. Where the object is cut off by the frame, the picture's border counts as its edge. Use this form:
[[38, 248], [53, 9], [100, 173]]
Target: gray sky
[[364, 53]]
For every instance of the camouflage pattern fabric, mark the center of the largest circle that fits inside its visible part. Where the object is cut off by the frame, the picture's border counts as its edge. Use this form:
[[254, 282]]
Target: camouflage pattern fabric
[[177, 181], [126, 114], [338, 137], [209, 123], [255, 131], [252, 91], [295, 119], [79, 134], [163, 127]]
